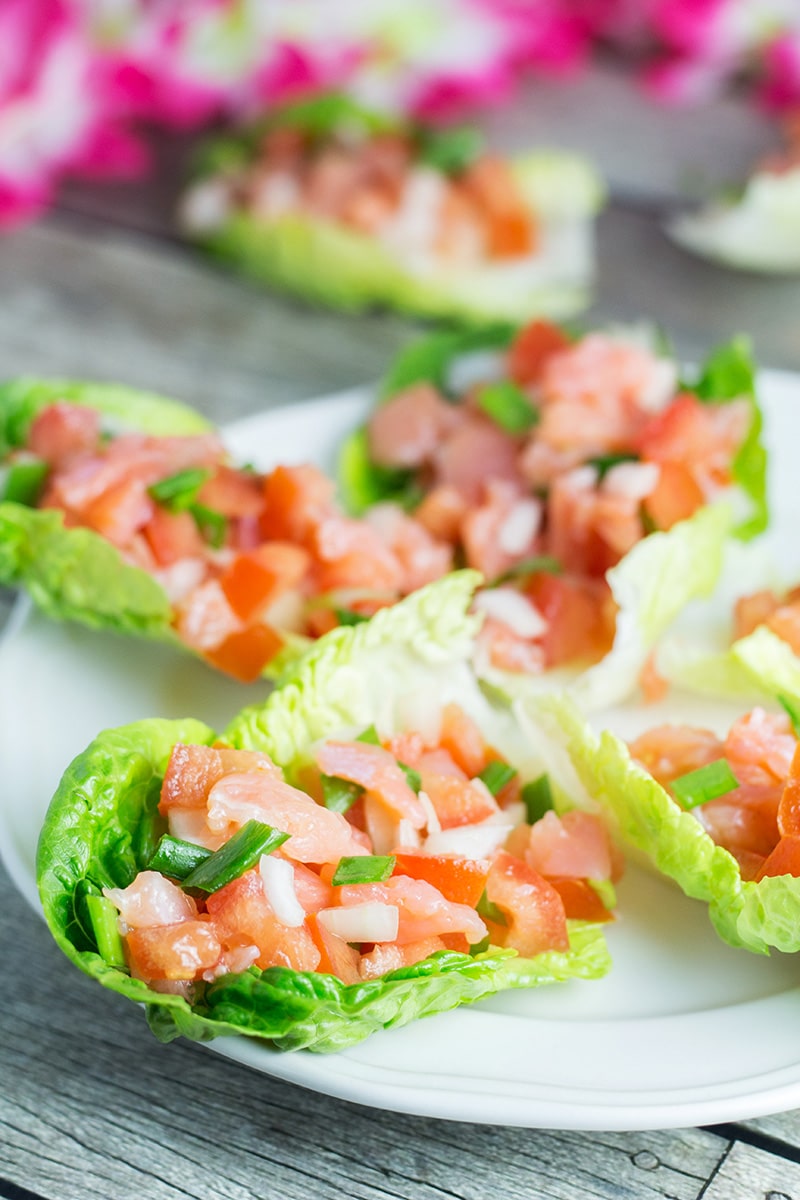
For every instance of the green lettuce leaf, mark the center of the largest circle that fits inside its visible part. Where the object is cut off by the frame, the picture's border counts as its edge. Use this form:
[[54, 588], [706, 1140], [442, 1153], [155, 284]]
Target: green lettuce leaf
[[103, 825], [756, 916]]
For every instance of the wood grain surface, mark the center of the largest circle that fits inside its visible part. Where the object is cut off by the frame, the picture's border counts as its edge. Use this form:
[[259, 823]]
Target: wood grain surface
[[90, 1104]]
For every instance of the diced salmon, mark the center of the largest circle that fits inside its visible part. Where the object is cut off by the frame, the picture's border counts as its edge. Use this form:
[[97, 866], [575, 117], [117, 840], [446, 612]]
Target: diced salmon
[[174, 952], [424, 911], [511, 226], [421, 557], [462, 739], [375, 770], [350, 554], [441, 512], [120, 512], [502, 529], [457, 802], [753, 610], [508, 651], [337, 957], [407, 429], [580, 616], [676, 497], [390, 957], [575, 845], [785, 624], [204, 618], [668, 751], [233, 493], [193, 770], [477, 451], [151, 899], [760, 747], [704, 437], [62, 431], [296, 501], [744, 819]]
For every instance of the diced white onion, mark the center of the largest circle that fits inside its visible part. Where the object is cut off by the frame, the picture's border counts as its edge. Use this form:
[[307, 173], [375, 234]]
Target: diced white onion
[[580, 479], [181, 577], [520, 527], [433, 823], [661, 387], [514, 610], [277, 877], [407, 835], [370, 922], [471, 841], [382, 827], [633, 480]]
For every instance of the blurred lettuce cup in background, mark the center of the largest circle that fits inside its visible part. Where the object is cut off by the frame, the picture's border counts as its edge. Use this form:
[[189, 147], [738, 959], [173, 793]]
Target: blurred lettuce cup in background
[[758, 227], [355, 208]]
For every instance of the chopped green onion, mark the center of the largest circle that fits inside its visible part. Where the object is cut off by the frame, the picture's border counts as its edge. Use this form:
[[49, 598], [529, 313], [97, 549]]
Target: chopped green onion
[[604, 462], [414, 778], [537, 564], [537, 796], [370, 736], [25, 480], [234, 858], [176, 858], [212, 524], [704, 784], [346, 616], [508, 407], [363, 868], [451, 150], [179, 491], [793, 709], [339, 795], [104, 917], [496, 775], [489, 911]]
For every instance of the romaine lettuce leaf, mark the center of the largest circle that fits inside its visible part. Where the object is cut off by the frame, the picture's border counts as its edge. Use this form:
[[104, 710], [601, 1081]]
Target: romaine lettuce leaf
[[756, 916], [103, 824]]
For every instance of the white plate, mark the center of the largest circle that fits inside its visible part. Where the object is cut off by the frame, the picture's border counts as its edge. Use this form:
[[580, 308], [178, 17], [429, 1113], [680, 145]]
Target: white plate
[[684, 1031]]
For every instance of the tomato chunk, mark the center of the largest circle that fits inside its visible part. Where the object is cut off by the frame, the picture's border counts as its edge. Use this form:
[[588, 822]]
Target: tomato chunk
[[245, 653], [532, 906], [461, 880], [531, 348]]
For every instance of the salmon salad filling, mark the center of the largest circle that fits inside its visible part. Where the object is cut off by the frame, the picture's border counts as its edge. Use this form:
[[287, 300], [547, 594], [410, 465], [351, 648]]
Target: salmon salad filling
[[546, 470], [392, 850]]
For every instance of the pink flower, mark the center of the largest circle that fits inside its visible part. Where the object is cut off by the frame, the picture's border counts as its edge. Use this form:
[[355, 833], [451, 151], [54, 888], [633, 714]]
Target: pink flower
[[781, 85]]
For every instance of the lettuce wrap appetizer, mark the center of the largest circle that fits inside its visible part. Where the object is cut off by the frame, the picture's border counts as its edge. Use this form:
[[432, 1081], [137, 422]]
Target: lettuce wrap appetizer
[[374, 844], [590, 484], [354, 208], [719, 814], [122, 510], [755, 227]]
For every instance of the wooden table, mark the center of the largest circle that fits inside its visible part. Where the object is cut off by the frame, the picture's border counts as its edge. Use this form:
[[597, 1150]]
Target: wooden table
[[90, 1104]]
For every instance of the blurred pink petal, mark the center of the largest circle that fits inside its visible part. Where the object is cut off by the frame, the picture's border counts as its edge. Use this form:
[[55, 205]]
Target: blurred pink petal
[[781, 86]]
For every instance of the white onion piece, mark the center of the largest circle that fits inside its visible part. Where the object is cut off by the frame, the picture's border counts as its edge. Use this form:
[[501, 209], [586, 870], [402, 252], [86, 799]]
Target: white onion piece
[[206, 206], [471, 841], [433, 824], [407, 836], [632, 480], [514, 610], [580, 479], [370, 922], [181, 578], [520, 527], [382, 827], [277, 877]]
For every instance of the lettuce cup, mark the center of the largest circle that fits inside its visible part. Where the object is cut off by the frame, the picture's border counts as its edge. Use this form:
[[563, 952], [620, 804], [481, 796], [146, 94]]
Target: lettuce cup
[[376, 843], [714, 810], [353, 208]]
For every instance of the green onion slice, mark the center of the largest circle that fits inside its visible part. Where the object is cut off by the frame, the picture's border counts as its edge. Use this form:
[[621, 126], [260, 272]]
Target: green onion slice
[[370, 736], [496, 775], [537, 796], [363, 868], [413, 777], [451, 150], [793, 709], [234, 858], [508, 407], [604, 462], [176, 858], [24, 481], [339, 795], [213, 525], [347, 616], [489, 911], [706, 783], [104, 917], [179, 491], [537, 564]]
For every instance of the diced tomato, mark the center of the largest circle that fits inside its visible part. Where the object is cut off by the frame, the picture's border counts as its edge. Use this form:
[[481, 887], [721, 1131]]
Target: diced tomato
[[296, 500], [696, 434], [233, 493], [532, 906], [580, 616], [461, 880], [783, 860], [390, 957], [789, 806], [337, 957], [510, 224], [173, 536], [407, 747], [667, 751], [676, 496], [181, 951], [255, 579], [581, 901], [575, 845], [463, 740], [61, 431], [245, 653], [744, 819], [193, 770], [320, 621], [531, 348], [456, 802], [241, 913], [477, 451], [120, 512], [751, 611]]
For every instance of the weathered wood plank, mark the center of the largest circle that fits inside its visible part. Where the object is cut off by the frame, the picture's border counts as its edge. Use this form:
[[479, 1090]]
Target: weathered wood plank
[[747, 1173], [784, 1128], [91, 1104]]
